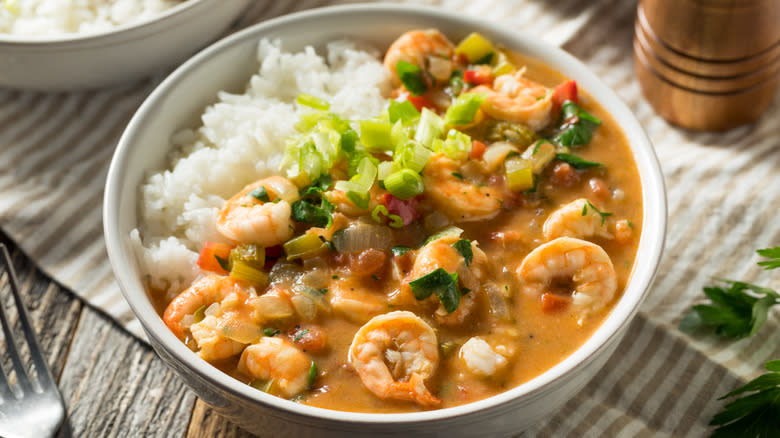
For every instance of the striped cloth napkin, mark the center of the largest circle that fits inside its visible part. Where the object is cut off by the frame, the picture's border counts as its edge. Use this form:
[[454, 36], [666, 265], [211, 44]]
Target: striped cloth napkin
[[723, 202]]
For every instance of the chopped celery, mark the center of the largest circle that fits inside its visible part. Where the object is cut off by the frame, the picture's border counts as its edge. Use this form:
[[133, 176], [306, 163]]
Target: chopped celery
[[430, 127], [464, 109], [312, 102], [244, 271], [253, 255], [304, 246], [403, 111], [375, 134], [475, 47], [519, 173], [404, 184], [384, 169], [540, 155], [412, 156]]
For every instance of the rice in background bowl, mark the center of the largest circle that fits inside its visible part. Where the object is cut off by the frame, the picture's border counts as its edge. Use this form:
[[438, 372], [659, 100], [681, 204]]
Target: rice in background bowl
[[52, 17], [242, 140]]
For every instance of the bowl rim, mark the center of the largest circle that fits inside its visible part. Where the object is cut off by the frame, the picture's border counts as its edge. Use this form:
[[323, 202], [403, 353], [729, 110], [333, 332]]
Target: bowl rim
[[121, 31], [649, 250]]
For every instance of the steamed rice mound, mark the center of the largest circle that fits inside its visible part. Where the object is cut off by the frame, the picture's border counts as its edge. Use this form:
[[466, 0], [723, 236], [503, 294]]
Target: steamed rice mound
[[242, 140]]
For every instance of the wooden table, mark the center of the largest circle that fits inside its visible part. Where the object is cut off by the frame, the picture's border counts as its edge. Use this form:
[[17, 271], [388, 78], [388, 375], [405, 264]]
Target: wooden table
[[112, 383]]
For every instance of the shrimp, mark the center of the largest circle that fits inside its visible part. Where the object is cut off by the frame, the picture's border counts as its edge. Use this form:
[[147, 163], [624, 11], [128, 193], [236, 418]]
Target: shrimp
[[441, 254], [204, 292], [584, 267], [576, 219], [394, 354], [459, 200], [428, 49], [480, 358], [212, 344], [245, 218], [275, 358], [351, 300], [517, 99]]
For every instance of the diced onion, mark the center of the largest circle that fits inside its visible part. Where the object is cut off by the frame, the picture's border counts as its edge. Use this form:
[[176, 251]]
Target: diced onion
[[315, 295], [540, 155], [502, 65], [439, 68], [304, 307], [385, 168], [361, 236], [429, 128], [240, 331], [272, 307], [496, 153], [435, 221], [498, 306]]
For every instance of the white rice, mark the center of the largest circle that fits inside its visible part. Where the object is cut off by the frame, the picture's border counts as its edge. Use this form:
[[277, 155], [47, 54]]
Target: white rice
[[52, 17], [241, 140]]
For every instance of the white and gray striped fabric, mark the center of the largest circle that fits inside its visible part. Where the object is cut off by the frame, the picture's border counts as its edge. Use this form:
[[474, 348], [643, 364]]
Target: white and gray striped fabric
[[724, 196]]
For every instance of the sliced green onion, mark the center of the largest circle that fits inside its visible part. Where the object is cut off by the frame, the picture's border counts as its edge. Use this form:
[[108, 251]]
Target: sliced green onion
[[451, 231], [404, 184], [363, 179], [379, 210], [475, 47], [404, 111], [464, 109], [412, 77], [412, 156], [304, 246], [359, 199], [519, 173], [395, 221], [385, 168], [375, 135], [457, 145], [242, 270], [430, 127], [312, 102], [540, 155]]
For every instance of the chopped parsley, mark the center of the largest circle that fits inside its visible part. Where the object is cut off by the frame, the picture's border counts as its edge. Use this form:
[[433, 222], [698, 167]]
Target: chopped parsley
[[458, 175], [412, 77], [464, 248], [577, 162], [223, 262], [577, 125], [312, 373], [773, 254], [400, 250], [260, 194], [603, 215], [300, 335], [440, 282], [270, 331]]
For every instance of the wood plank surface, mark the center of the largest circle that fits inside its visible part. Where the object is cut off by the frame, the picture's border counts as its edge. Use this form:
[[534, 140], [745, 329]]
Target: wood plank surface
[[112, 384]]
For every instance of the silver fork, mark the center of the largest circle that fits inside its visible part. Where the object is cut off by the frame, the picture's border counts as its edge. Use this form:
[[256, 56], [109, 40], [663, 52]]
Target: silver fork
[[29, 408]]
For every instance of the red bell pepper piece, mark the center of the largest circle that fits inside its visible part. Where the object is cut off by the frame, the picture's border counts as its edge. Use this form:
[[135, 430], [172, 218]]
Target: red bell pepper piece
[[478, 77], [208, 257], [566, 90]]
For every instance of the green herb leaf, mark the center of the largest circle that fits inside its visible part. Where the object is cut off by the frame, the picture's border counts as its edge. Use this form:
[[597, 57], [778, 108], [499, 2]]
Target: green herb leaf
[[733, 313], [464, 248], [300, 334], [400, 250], [412, 77], [270, 331], [773, 254], [577, 162], [223, 263], [260, 194], [577, 125], [313, 371], [440, 282], [456, 82], [754, 415], [303, 210], [604, 215], [458, 175]]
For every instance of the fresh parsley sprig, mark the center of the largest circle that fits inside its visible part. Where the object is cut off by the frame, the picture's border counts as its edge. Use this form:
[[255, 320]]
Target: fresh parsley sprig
[[737, 309], [753, 415], [773, 254]]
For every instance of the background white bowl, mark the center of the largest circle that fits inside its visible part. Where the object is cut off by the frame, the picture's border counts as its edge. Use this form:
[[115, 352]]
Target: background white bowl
[[71, 61], [227, 65]]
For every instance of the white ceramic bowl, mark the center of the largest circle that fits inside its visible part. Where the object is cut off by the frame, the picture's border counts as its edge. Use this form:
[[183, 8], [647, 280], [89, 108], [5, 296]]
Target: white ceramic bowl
[[72, 61], [227, 65]]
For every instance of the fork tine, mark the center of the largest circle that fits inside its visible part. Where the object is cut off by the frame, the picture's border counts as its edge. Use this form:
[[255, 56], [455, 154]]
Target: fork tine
[[45, 378], [5, 389], [13, 350]]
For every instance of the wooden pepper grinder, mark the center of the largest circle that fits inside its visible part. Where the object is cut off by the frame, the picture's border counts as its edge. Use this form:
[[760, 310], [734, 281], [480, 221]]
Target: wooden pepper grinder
[[708, 64]]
